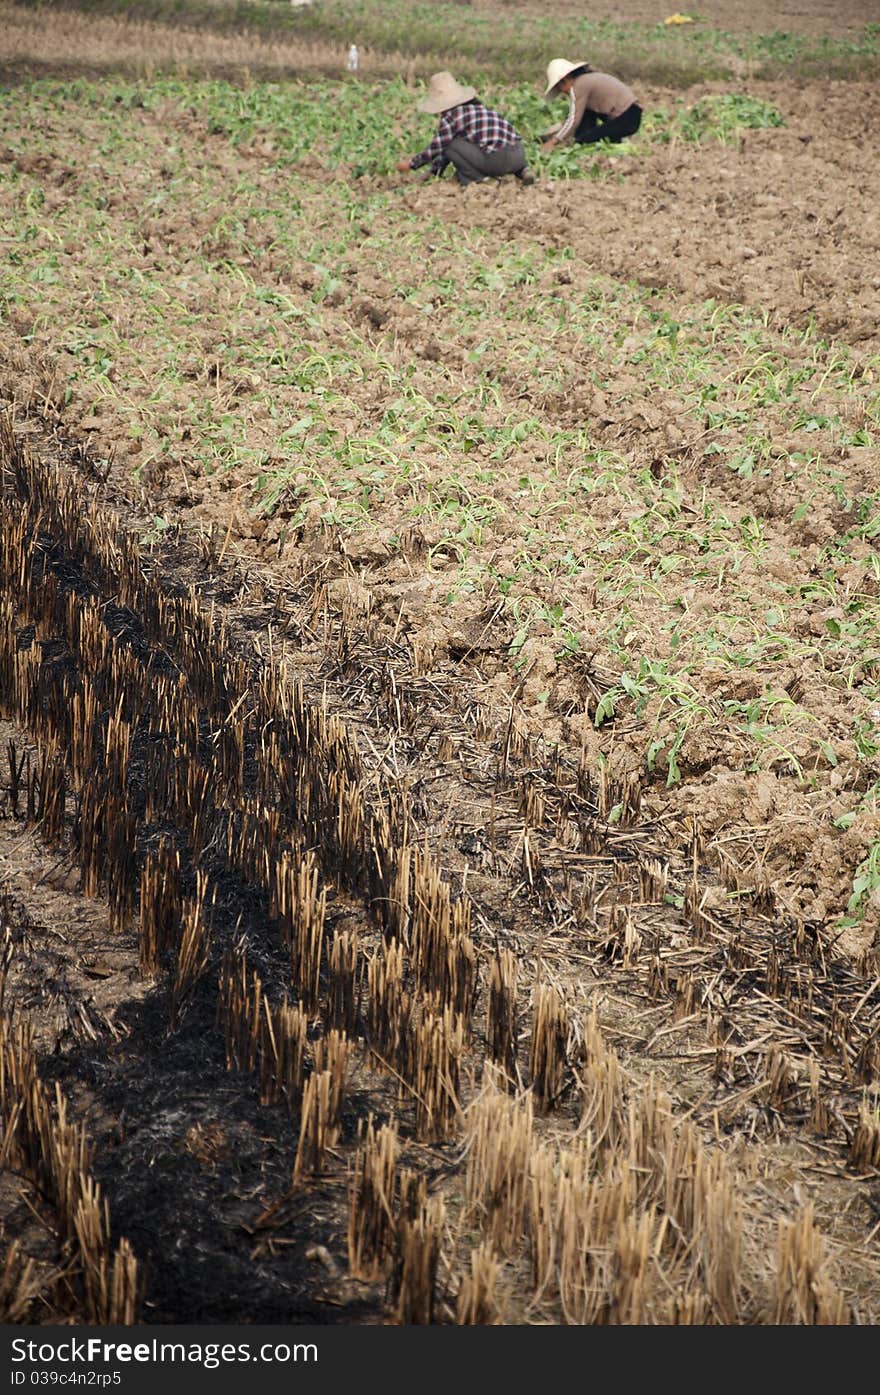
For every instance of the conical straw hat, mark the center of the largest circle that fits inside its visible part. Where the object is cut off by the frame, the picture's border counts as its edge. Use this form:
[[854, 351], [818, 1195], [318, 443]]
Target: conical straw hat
[[444, 92], [559, 68]]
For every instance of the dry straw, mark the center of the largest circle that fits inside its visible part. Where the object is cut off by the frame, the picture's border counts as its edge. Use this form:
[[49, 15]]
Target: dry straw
[[548, 1046], [239, 1008], [864, 1148], [301, 908], [498, 1147], [412, 1289], [53, 787], [192, 957], [160, 905], [333, 1055], [389, 1009], [55, 1155], [371, 1221], [501, 1024], [805, 1294], [318, 1125], [476, 1303], [282, 1054], [435, 1078], [19, 1285], [601, 1088], [343, 991], [259, 1038]]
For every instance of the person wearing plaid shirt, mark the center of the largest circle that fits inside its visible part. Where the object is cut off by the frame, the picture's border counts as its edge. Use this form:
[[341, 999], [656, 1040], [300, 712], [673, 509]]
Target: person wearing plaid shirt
[[476, 141]]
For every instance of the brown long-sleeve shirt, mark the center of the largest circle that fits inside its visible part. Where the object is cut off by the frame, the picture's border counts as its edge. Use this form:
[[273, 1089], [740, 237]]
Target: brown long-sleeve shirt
[[598, 92]]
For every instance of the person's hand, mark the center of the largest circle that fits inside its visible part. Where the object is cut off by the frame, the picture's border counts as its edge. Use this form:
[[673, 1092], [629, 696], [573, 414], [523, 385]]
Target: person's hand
[[403, 166]]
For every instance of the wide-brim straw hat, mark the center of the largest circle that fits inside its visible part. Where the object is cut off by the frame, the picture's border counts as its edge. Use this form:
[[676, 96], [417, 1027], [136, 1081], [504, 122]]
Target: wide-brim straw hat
[[444, 92], [559, 68]]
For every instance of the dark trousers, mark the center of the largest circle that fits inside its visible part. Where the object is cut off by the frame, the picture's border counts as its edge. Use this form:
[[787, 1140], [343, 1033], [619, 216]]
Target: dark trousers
[[473, 164], [593, 126]]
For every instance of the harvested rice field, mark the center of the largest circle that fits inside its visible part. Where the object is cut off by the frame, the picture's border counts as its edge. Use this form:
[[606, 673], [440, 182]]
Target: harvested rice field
[[439, 673]]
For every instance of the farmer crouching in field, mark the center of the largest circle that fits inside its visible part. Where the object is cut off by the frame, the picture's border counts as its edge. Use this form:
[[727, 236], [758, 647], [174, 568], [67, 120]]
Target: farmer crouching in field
[[478, 142], [601, 107]]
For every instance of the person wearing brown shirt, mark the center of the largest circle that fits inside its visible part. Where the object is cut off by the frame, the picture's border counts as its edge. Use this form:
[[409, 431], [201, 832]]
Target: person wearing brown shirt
[[601, 107]]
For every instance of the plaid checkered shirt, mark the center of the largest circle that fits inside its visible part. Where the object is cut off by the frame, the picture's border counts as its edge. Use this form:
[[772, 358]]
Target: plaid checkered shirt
[[474, 122]]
